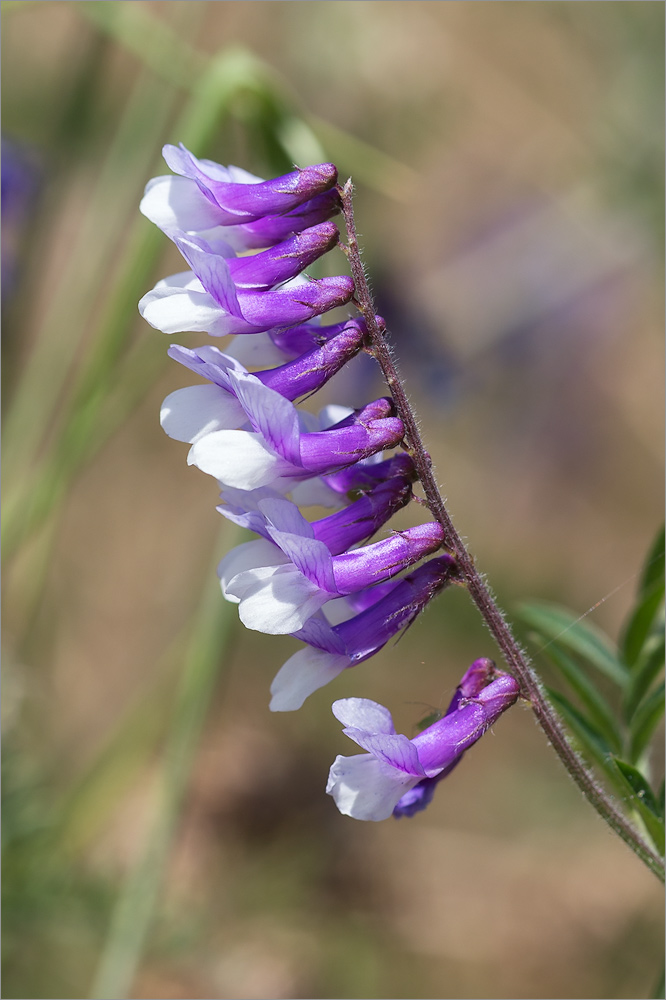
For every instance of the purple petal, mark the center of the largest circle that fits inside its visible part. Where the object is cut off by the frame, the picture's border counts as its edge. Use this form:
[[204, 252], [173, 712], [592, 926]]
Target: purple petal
[[244, 202], [284, 261], [365, 634], [318, 633], [270, 415], [378, 562], [272, 229], [313, 369], [362, 518], [298, 340], [297, 301], [364, 475], [327, 450], [396, 751], [212, 271]]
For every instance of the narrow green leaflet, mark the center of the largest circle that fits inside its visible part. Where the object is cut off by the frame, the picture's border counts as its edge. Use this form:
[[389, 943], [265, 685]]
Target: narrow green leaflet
[[643, 800], [639, 785], [649, 666], [645, 721], [647, 615], [580, 638], [590, 739], [599, 710], [653, 571]]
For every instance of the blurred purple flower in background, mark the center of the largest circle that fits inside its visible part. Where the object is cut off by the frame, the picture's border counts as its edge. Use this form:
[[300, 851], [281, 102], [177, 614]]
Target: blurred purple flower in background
[[20, 183]]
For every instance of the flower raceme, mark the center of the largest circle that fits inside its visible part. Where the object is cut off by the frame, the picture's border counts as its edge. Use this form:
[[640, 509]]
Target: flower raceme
[[247, 244]]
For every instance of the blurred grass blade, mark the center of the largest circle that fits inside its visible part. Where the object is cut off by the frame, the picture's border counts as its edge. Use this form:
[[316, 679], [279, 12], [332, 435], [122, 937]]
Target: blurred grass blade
[[95, 792], [643, 801], [600, 713], [369, 165], [131, 920], [27, 506], [559, 625], [32, 414], [149, 38], [648, 716], [645, 671]]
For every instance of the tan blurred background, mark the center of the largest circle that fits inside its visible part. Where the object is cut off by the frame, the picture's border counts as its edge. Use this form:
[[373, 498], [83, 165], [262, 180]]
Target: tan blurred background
[[509, 170]]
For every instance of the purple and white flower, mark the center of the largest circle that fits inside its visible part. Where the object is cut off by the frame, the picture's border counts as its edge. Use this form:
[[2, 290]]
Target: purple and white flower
[[381, 612], [397, 775], [279, 590], [234, 205], [285, 444], [190, 413]]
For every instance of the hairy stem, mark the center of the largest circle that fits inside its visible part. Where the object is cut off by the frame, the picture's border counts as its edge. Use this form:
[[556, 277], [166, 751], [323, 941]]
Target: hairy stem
[[515, 657]]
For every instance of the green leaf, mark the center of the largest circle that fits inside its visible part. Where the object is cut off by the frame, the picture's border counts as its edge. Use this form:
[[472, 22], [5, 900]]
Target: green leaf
[[639, 785], [590, 739], [648, 667], [647, 612], [647, 718], [559, 625], [658, 991], [653, 570], [597, 706], [643, 801], [661, 798]]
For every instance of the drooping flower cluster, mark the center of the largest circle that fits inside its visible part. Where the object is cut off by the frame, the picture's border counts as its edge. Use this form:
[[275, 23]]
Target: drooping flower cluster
[[247, 244]]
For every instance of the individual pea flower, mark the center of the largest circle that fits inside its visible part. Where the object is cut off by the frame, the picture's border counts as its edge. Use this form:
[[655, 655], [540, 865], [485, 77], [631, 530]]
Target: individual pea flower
[[281, 585], [398, 775], [378, 614], [249, 211], [279, 450], [223, 294], [187, 414]]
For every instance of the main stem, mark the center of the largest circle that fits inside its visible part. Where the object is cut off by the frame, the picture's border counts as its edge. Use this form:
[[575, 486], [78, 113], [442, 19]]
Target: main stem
[[516, 660]]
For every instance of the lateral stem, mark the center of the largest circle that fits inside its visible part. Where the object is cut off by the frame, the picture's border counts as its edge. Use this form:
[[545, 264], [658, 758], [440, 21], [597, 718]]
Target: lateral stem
[[515, 658]]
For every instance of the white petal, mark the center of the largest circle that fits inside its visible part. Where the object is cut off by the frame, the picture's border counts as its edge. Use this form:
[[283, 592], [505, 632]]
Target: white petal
[[249, 555], [276, 600], [315, 493], [177, 203], [240, 459], [237, 175], [190, 413], [364, 714], [173, 309], [338, 611], [306, 671], [333, 414], [364, 788], [255, 351]]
